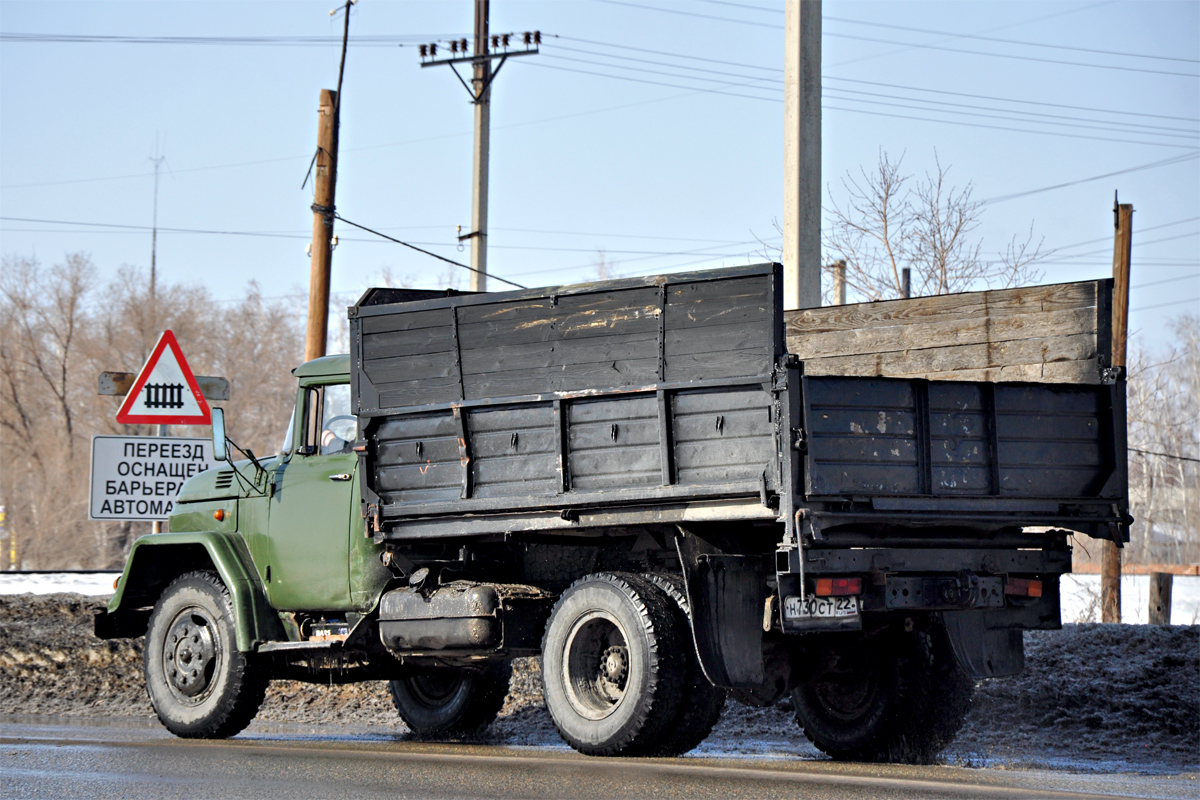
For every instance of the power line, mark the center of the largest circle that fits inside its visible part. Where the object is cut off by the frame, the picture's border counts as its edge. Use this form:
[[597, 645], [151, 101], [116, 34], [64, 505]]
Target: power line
[[1165, 455], [857, 110], [779, 71], [1072, 121], [426, 252], [1164, 305], [1183, 221], [1167, 280], [1152, 165], [386, 40], [905, 44], [1011, 41]]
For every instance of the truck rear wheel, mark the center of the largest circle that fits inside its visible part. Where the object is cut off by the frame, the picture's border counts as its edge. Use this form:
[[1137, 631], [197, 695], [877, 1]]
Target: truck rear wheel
[[702, 703], [200, 684], [451, 702], [613, 670], [896, 697]]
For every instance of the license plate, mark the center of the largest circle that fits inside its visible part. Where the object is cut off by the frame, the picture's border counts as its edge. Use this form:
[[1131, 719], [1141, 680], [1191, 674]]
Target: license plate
[[811, 606]]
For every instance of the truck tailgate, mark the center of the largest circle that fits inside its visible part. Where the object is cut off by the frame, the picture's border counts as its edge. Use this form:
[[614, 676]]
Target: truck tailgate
[[910, 445]]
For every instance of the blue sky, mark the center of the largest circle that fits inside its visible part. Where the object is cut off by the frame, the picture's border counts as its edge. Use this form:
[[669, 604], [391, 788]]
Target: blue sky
[[650, 131]]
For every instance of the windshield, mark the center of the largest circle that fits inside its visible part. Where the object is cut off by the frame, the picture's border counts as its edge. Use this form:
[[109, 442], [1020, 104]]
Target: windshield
[[286, 447]]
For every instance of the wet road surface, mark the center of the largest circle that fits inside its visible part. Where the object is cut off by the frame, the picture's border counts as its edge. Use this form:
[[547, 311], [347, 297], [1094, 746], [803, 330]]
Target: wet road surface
[[133, 759]]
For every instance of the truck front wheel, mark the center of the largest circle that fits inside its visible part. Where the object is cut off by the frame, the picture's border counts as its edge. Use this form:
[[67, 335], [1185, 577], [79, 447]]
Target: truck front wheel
[[613, 670], [200, 684], [451, 702]]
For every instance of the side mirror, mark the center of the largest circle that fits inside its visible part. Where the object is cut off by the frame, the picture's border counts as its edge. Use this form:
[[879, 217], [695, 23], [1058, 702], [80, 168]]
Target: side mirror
[[220, 453]]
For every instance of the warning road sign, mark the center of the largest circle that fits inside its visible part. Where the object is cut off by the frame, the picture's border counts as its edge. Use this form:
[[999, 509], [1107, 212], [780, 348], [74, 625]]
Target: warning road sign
[[165, 391]]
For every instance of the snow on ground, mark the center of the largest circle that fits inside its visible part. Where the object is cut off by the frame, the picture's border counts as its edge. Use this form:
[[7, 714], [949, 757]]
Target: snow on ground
[[1081, 599], [85, 583], [1080, 593]]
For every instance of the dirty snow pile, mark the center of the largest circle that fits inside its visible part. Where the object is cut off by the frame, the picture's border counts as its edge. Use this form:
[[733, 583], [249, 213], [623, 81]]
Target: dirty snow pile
[[1091, 697]]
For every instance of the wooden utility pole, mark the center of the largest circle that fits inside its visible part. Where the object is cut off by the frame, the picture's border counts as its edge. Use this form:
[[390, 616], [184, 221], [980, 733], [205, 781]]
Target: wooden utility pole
[[802, 154], [481, 83], [323, 210], [1110, 553]]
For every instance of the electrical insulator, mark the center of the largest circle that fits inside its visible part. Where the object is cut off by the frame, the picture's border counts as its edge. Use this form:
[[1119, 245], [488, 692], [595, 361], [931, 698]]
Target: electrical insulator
[[495, 42], [433, 50], [424, 51], [504, 39], [537, 37], [462, 45], [453, 46], [527, 37]]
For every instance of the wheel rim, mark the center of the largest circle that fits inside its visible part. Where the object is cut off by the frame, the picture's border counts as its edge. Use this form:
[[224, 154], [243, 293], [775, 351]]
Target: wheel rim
[[847, 691], [434, 690], [191, 654], [596, 665]]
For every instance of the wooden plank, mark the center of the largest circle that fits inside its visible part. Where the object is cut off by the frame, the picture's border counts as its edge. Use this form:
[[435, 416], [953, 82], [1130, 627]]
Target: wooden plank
[[558, 354], [942, 361], [415, 342], [406, 321], [1039, 334], [945, 333], [402, 394], [965, 306], [411, 368], [632, 372]]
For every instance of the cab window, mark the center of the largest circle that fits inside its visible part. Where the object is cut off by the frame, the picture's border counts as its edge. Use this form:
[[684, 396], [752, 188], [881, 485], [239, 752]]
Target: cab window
[[329, 427]]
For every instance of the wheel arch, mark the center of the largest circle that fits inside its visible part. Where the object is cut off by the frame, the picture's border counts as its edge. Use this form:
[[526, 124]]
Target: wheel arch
[[158, 559]]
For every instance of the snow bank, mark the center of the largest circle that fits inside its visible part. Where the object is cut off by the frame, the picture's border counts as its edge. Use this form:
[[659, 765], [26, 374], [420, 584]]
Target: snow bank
[[85, 583], [1081, 599]]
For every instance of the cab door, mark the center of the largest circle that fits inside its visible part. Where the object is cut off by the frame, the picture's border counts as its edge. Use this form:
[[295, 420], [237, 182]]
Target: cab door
[[307, 549]]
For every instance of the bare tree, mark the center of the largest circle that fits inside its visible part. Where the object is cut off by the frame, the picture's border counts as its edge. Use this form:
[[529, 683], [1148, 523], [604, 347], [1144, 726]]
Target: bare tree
[[57, 332], [888, 221], [1164, 439]]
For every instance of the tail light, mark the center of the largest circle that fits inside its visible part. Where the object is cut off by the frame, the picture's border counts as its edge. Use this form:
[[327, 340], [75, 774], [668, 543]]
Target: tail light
[[838, 587], [1023, 587]]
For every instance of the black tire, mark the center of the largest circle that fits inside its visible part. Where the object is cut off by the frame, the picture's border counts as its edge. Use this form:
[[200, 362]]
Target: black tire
[[613, 669], [946, 692], [702, 703], [894, 697], [200, 684], [451, 702]]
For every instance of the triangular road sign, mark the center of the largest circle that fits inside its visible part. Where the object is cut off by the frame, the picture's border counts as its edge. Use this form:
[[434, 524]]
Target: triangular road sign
[[165, 392]]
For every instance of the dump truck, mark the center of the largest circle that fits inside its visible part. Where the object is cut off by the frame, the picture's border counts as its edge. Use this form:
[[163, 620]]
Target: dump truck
[[636, 482]]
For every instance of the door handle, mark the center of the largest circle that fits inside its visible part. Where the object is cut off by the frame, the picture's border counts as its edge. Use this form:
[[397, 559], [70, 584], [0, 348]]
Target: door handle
[[341, 476]]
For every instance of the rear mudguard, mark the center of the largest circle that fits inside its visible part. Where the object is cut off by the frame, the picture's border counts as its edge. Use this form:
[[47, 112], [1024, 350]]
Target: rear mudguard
[[160, 558]]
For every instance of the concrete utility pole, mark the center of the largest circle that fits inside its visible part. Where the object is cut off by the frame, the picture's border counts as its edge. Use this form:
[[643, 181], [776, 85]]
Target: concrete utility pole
[[1110, 554], [481, 96], [325, 183], [802, 154], [481, 83], [839, 282]]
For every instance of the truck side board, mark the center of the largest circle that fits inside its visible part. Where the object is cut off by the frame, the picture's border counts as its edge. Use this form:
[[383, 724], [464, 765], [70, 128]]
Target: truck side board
[[631, 392]]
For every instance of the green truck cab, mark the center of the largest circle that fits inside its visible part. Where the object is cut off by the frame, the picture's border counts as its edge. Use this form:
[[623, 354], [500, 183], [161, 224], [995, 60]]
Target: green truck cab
[[277, 542]]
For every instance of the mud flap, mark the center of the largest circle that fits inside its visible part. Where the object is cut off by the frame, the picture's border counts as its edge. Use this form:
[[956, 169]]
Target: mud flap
[[726, 594], [984, 652]]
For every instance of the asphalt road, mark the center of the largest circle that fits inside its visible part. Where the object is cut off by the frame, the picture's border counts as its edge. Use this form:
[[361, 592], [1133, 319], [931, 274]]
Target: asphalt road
[[58, 759]]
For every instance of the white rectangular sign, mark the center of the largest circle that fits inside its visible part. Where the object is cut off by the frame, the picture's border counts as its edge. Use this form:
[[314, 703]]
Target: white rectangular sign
[[139, 477]]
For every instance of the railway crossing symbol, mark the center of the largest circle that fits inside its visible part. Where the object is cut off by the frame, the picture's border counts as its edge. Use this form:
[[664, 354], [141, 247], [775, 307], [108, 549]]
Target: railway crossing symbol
[[165, 391]]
